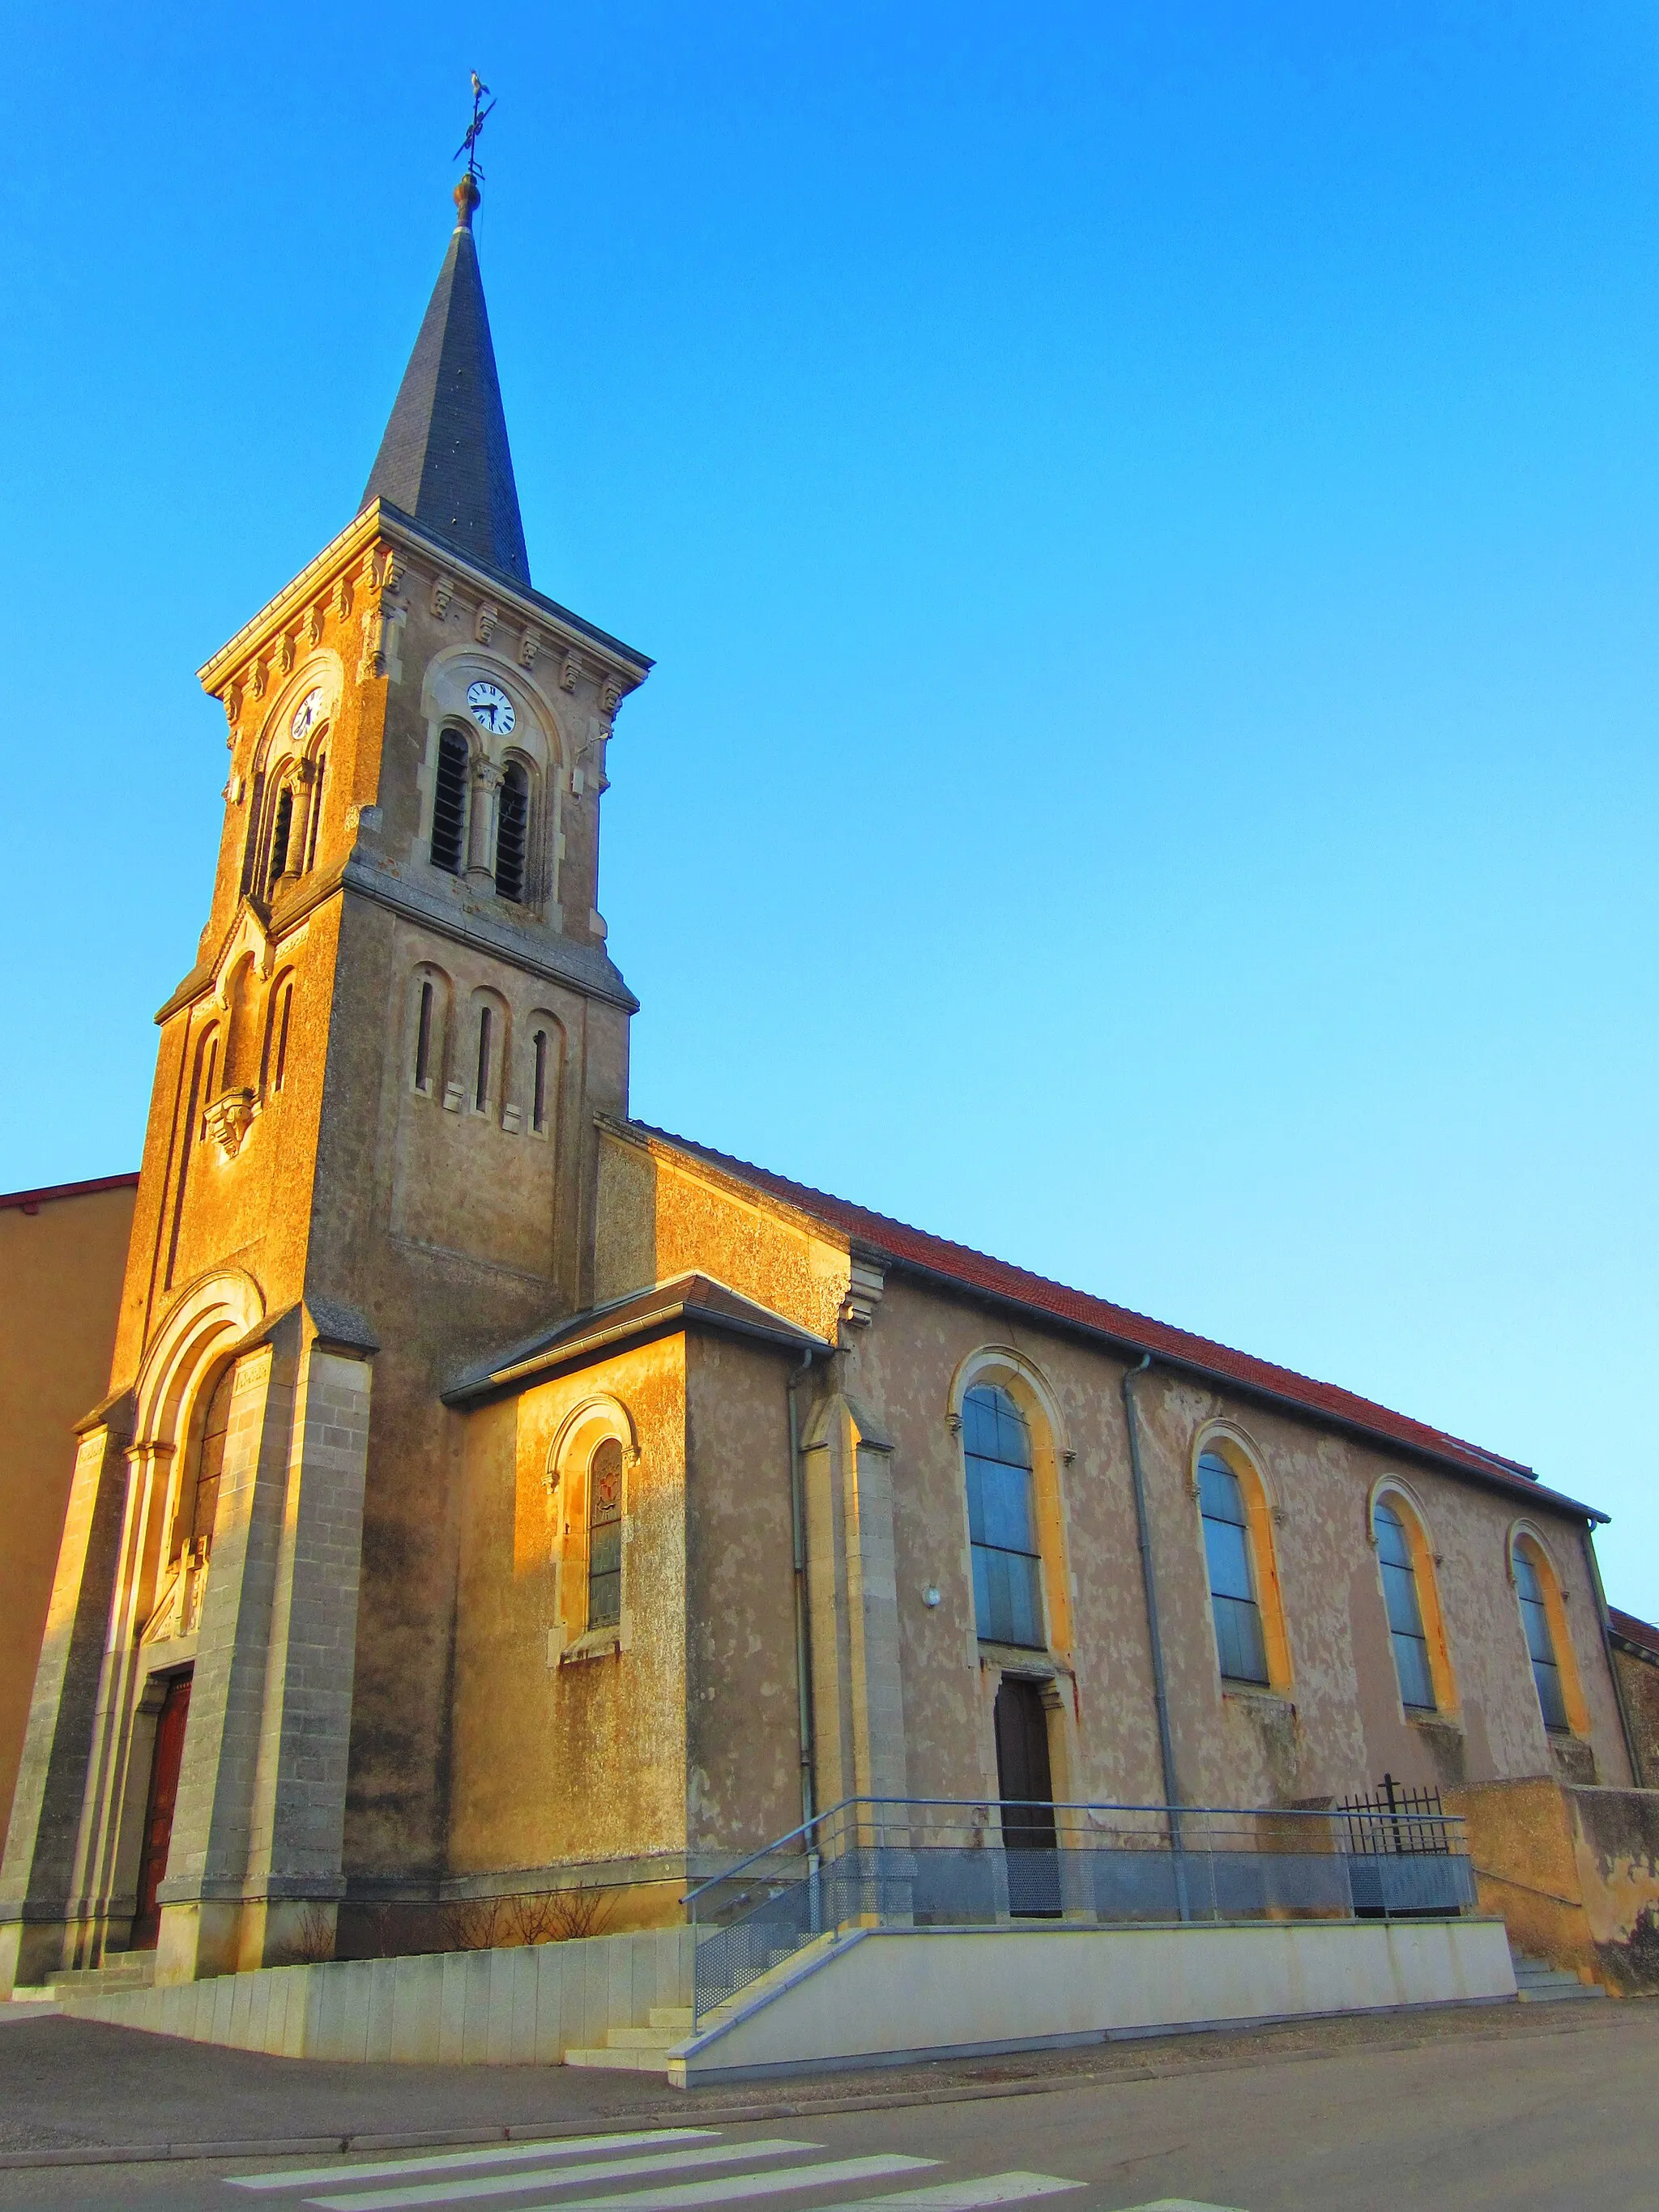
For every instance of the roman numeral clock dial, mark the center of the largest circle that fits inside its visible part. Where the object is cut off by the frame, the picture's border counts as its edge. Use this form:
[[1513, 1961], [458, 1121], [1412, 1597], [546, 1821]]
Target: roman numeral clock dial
[[490, 706]]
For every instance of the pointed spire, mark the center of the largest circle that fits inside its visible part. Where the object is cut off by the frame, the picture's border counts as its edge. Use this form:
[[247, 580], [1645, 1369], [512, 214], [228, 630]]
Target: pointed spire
[[444, 459]]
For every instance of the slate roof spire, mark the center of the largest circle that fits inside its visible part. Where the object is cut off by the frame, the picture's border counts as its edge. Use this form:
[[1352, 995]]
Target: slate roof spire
[[445, 459]]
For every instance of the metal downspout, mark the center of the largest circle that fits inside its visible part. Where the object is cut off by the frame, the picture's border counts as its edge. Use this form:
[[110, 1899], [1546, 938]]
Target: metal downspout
[[802, 1638], [1149, 1585]]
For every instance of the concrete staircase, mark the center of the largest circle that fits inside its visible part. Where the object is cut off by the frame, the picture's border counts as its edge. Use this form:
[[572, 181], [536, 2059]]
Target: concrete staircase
[[1538, 1983], [121, 1970], [639, 2050]]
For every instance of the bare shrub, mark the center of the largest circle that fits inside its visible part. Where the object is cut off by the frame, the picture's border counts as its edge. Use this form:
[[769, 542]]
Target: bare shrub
[[478, 1924], [532, 1919], [310, 1942], [574, 1912]]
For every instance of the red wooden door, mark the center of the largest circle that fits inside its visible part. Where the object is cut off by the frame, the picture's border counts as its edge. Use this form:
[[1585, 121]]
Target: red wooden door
[[158, 1816]]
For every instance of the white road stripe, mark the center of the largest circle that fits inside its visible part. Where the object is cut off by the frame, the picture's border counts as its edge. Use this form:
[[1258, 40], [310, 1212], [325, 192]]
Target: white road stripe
[[1183, 2204], [738, 2186], [967, 2195], [457, 2160], [502, 2185]]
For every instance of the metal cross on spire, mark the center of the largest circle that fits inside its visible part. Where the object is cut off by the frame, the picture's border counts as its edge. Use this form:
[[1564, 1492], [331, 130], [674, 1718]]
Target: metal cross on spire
[[481, 115]]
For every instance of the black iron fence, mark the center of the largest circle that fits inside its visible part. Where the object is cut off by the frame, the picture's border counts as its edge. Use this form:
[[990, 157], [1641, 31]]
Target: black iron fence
[[939, 1863]]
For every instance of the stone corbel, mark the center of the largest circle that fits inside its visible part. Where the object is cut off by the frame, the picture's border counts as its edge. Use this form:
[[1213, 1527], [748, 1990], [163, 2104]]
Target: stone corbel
[[284, 653], [443, 592], [315, 623], [528, 646], [229, 1119], [569, 669], [342, 596], [611, 694], [484, 622], [863, 1290], [256, 679]]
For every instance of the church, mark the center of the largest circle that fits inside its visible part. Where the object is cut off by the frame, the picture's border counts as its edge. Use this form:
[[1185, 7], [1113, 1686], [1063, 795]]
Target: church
[[496, 1497]]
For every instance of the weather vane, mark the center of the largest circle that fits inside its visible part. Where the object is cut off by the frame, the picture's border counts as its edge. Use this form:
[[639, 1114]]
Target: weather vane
[[481, 115]]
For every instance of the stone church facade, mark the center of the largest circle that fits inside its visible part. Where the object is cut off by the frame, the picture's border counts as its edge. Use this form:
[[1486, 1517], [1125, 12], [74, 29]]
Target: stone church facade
[[497, 1495]]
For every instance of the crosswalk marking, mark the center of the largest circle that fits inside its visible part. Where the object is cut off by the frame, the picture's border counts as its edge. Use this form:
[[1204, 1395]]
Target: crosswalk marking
[[502, 2185], [971, 2196], [458, 2160], [739, 2185], [1183, 2204]]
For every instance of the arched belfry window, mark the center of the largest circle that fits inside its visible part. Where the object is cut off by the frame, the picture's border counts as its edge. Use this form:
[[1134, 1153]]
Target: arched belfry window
[[1235, 1603], [449, 802], [282, 829], [1403, 1599], [1002, 1518], [199, 1501], [512, 832]]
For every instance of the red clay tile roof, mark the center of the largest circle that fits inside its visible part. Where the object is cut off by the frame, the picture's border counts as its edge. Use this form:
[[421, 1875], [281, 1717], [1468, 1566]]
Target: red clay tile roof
[[30, 1202], [1642, 1632], [960, 1264]]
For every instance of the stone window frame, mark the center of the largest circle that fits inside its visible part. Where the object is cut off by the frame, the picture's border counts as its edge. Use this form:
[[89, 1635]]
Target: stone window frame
[[1051, 1666], [597, 1418], [439, 1032], [1394, 1490], [1522, 1531], [279, 764], [1227, 1440]]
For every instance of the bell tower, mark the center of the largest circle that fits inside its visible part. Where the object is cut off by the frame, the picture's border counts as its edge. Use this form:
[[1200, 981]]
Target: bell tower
[[371, 1152]]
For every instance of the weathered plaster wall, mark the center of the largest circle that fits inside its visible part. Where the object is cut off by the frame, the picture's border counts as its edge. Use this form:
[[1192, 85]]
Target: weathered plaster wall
[[60, 1283], [563, 1762], [1638, 1679], [743, 1732]]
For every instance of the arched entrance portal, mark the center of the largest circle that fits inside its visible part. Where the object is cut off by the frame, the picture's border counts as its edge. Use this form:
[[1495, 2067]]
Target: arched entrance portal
[[164, 1765]]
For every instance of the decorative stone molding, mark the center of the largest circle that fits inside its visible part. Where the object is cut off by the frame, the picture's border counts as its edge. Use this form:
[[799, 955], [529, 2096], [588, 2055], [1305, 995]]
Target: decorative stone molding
[[229, 1119], [570, 669], [528, 646], [863, 1290], [342, 596], [397, 569], [488, 774], [443, 592], [233, 709], [256, 679], [315, 623], [611, 694], [484, 622], [382, 620], [178, 1611], [284, 653]]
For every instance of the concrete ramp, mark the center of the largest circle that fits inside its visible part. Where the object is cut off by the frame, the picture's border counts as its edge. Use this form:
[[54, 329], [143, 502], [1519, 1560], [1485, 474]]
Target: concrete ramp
[[886, 1994]]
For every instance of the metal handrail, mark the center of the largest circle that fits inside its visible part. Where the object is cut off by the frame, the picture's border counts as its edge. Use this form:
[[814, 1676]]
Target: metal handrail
[[1173, 1813]]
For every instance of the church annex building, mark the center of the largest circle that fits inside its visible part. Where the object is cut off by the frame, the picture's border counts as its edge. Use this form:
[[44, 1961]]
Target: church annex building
[[495, 1496]]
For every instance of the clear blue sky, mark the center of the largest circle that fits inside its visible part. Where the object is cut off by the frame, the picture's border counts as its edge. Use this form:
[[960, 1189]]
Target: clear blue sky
[[1146, 518]]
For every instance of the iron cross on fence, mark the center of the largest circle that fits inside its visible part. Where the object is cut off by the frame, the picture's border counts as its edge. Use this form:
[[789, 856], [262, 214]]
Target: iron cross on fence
[[481, 115]]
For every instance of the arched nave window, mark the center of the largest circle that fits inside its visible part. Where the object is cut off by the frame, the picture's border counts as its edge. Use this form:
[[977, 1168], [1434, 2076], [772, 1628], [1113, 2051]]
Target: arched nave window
[[604, 1502], [1543, 1623], [1002, 1518], [1240, 1644], [1420, 1664]]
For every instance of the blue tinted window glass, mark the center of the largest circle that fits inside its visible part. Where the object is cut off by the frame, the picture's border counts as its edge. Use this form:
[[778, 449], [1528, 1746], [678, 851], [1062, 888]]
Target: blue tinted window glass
[[1001, 1519], [1240, 1645]]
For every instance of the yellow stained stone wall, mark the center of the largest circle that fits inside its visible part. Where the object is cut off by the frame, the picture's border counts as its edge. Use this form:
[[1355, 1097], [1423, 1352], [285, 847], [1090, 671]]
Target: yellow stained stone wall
[[60, 1283]]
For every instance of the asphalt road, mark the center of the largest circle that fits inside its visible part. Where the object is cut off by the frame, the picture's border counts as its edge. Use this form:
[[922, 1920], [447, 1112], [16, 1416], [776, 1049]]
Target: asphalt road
[[1512, 2112]]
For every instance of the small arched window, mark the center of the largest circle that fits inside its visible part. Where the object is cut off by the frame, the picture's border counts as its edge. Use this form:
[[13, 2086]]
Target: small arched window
[[199, 1504], [1405, 1610], [423, 1039], [449, 802], [480, 1081], [1002, 1519], [277, 1040], [538, 1084], [512, 832], [605, 1489], [282, 829], [1240, 1644], [1530, 1589]]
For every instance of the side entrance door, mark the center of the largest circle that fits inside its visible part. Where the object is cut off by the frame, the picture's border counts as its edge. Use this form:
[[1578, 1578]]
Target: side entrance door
[[158, 1813], [1024, 1777]]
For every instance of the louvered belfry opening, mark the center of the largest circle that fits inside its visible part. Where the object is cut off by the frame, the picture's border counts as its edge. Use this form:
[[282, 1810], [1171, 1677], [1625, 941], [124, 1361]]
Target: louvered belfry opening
[[280, 830], [512, 834], [449, 802]]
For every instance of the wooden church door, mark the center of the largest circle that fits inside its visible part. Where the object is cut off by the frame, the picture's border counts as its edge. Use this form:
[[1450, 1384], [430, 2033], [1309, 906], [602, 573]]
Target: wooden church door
[[158, 1813], [1026, 1784]]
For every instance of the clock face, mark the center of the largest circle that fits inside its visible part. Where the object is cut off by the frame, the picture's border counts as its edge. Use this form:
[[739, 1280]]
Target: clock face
[[490, 705], [306, 715]]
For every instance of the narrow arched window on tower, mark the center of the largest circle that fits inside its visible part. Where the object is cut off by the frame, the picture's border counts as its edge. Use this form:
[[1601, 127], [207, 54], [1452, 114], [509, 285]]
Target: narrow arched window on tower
[[282, 1012], [315, 823], [280, 832], [512, 832], [481, 1089], [424, 1041], [449, 802], [538, 1090]]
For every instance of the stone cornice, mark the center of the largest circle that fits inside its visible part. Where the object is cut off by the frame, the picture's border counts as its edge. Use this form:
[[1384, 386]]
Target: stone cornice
[[380, 520]]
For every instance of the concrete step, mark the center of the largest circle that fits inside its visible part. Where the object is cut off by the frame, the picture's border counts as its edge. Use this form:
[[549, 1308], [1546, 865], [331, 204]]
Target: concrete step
[[645, 2039], [121, 1970], [1537, 1982], [679, 2017], [629, 2061]]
